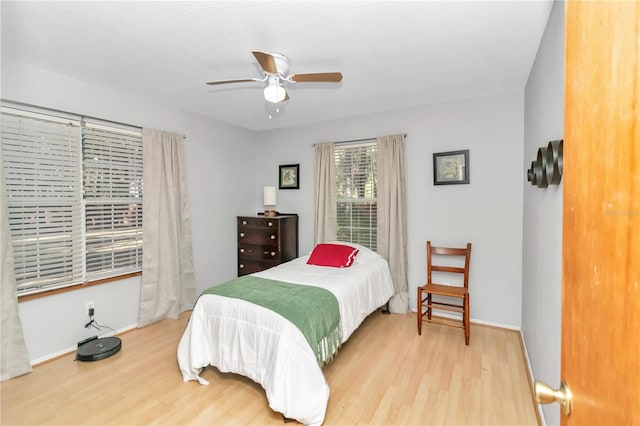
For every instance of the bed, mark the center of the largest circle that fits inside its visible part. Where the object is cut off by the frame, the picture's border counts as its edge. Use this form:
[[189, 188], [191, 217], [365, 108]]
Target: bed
[[241, 337]]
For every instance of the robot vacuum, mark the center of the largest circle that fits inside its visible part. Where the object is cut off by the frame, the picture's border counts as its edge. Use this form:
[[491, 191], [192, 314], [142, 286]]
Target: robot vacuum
[[95, 349]]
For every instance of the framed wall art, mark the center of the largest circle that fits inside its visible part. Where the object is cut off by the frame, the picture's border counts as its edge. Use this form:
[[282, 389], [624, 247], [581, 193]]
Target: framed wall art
[[450, 168], [289, 176]]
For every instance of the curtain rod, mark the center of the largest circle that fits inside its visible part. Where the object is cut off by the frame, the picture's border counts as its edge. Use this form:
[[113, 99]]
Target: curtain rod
[[356, 140], [37, 107]]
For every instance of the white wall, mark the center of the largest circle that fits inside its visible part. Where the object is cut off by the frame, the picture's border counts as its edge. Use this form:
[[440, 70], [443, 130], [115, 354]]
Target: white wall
[[213, 151], [487, 212], [542, 249]]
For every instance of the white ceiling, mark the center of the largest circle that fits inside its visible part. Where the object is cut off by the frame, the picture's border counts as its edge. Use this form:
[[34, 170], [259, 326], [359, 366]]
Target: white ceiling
[[393, 54]]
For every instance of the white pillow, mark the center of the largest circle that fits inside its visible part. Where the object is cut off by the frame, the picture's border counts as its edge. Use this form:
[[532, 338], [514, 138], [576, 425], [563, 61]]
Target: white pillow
[[365, 254]]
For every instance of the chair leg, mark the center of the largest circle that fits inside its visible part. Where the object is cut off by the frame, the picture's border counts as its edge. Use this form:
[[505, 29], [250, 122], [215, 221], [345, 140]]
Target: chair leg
[[429, 306], [466, 319], [419, 311]]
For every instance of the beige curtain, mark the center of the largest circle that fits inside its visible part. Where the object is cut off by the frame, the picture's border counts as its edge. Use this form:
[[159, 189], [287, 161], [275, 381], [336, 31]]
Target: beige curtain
[[325, 203], [14, 359], [392, 217], [168, 285]]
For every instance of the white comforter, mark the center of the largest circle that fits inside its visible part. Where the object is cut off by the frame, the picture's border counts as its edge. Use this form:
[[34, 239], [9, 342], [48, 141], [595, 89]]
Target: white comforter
[[240, 337]]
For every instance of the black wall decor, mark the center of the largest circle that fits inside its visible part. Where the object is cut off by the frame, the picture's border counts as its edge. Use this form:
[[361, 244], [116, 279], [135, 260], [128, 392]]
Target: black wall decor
[[547, 169], [450, 168]]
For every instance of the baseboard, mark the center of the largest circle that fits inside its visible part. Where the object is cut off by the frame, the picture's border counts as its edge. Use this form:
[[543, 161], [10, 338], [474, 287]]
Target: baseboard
[[537, 407], [68, 350], [494, 324], [475, 321]]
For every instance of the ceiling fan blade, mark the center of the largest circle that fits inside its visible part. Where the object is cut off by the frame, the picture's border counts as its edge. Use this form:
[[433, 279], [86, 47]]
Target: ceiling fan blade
[[266, 61], [242, 80], [320, 77]]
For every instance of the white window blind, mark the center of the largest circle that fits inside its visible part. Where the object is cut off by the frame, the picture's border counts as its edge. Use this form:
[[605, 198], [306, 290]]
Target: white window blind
[[42, 165], [356, 193], [112, 165], [74, 195]]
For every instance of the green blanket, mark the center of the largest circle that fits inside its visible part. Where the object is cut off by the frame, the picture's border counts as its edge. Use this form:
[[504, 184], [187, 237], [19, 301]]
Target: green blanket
[[313, 310]]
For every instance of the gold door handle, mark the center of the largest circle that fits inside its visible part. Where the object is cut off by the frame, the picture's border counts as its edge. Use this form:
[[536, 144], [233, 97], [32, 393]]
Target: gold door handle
[[545, 394]]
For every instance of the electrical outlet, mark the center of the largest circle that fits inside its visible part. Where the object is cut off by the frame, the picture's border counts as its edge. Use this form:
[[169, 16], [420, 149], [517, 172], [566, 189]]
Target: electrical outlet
[[89, 305]]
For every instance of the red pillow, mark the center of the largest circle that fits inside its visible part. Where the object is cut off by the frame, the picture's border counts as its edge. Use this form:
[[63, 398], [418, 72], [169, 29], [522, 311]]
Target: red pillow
[[336, 255]]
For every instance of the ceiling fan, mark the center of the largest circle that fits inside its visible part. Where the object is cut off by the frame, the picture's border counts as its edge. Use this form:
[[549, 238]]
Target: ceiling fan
[[275, 67]]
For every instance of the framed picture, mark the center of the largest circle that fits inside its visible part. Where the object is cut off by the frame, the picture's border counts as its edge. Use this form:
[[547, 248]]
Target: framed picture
[[450, 168], [289, 176]]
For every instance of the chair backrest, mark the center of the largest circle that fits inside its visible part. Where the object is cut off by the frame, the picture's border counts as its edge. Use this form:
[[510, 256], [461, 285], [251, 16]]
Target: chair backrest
[[448, 251]]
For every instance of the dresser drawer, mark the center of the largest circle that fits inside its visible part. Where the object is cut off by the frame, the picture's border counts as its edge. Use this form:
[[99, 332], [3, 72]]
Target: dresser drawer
[[250, 266], [246, 252], [257, 222], [258, 236]]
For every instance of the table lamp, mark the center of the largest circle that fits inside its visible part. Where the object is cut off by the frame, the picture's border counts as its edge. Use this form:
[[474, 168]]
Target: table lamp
[[269, 201]]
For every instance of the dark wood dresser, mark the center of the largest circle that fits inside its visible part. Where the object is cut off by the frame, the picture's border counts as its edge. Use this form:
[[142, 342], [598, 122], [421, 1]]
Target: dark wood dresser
[[264, 242]]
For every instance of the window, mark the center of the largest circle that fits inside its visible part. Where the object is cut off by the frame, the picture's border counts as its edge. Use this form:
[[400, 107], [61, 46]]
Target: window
[[74, 196], [356, 194], [112, 166], [41, 157]]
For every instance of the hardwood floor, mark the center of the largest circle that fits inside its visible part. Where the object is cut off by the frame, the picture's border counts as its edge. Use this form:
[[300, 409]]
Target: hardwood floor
[[385, 374]]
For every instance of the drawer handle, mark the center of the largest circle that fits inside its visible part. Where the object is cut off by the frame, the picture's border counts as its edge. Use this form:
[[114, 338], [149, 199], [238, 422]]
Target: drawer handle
[[273, 253], [241, 250], [244, 222], [273, 237], [241, 234], [270, 224], [241, 266]]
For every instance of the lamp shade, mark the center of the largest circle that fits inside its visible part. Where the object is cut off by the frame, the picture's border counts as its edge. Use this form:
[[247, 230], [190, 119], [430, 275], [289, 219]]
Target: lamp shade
[[269, 195]]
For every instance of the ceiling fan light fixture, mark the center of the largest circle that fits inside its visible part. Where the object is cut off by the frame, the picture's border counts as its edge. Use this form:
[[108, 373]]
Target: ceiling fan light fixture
[[274, 92], [275, 71]]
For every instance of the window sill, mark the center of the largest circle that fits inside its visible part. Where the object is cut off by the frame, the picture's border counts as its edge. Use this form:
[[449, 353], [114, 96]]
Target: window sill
[[46, 293]]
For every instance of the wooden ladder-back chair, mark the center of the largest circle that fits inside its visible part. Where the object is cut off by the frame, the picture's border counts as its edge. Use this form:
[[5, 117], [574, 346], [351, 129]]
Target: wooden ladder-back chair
[[426, 303]]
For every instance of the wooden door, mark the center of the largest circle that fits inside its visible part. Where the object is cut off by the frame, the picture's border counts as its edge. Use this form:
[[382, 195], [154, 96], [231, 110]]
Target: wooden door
[[601, 223]]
